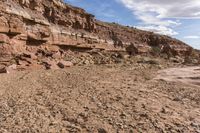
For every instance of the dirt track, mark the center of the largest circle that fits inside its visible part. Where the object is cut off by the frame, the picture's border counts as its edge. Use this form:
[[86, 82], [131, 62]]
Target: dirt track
[[107, 98]]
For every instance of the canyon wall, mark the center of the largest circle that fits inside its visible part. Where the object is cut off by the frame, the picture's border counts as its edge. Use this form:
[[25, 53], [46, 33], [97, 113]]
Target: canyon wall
[[52, 25]]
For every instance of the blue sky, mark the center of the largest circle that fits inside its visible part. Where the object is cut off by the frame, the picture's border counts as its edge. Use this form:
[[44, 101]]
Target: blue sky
[[176, 18]]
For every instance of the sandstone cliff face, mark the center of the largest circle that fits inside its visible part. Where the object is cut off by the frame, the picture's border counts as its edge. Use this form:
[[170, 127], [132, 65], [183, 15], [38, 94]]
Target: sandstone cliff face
[[35, 25]]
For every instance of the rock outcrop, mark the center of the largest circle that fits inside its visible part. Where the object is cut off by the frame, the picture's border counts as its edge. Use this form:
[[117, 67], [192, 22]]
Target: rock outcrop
[[51, 28]]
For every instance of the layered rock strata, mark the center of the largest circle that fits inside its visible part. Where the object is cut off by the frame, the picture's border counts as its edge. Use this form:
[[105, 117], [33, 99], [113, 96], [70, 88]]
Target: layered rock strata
[[32, 26]]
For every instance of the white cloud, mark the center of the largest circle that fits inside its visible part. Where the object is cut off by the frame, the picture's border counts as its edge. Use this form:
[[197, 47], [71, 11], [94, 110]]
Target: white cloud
[[192, 37], [158, 29], [163, 14]]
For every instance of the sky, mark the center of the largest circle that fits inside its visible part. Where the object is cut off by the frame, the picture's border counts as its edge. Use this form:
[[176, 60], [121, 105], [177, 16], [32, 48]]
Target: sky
[[177, 18]]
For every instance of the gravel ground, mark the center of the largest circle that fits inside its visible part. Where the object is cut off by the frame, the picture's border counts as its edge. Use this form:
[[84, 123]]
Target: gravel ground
[[97, 99]]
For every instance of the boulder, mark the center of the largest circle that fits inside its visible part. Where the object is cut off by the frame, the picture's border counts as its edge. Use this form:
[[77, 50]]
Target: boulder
[[49, 64], [63, 64], [3, 69], [8, 69], [30, 55]]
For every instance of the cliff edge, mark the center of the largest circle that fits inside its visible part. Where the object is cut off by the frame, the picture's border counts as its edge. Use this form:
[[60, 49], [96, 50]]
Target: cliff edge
[[50, 29]]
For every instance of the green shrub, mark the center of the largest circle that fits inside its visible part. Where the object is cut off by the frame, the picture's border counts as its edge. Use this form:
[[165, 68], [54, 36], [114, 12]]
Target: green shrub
[[155, 50]]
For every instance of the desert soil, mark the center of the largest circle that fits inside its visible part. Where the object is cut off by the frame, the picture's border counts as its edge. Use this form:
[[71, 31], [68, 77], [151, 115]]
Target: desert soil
[[101, 99]]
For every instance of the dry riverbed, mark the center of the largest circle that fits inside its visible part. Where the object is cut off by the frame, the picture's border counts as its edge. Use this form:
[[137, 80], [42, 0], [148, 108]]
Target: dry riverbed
[[105, 98]]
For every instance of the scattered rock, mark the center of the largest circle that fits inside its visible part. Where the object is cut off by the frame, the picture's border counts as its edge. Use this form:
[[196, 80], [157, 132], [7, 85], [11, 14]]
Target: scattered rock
[[8, 69], [30, 55], [63, 64], [57, 55], [86, 62], [176, 60], [190, 60], [50, 65], [101, 130], [148, 61], [3, 70]]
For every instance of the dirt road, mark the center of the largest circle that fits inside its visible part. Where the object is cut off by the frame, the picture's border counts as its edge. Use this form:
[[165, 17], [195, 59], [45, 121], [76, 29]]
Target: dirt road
[[97, 99]]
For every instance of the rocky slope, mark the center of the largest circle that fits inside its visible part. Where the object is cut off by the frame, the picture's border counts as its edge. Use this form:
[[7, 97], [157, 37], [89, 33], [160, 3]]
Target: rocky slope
[[37, 32]]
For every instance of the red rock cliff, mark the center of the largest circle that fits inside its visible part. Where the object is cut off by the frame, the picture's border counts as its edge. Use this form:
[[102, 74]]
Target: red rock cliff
[[29, 25]]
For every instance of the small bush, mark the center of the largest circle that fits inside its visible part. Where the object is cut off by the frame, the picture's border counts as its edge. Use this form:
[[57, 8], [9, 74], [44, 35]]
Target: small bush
[[155, 51]]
